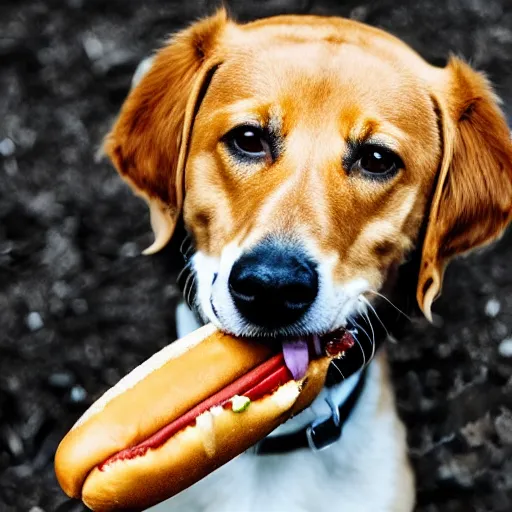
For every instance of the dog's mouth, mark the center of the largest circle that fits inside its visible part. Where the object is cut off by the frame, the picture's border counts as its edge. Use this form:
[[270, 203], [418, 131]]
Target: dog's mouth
[[302, 341], [358, 330], [298, 350]]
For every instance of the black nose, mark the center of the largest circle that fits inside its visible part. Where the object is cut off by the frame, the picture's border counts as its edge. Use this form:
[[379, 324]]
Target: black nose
[[273, 285]]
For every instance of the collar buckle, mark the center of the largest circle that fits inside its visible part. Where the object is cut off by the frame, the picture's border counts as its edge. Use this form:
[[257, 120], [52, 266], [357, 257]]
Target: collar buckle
[[320, 434], [326, 430]]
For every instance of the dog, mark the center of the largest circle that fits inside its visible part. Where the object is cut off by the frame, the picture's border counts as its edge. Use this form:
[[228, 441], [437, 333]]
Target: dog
[[325, 173]]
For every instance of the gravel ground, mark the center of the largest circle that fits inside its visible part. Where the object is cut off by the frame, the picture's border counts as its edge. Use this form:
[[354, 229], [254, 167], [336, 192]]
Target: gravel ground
[[79, 307]]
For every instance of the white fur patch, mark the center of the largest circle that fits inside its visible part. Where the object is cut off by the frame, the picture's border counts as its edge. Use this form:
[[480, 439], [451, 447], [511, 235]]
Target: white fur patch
[[205, 268]]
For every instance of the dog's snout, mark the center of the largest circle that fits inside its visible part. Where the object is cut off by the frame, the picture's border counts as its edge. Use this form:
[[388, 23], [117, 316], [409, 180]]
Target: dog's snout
[[273, 285]]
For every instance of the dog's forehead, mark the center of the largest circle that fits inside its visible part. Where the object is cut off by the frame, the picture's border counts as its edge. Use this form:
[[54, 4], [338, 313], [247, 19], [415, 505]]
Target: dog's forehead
[[312, 68], [324, 72], [321, 86]]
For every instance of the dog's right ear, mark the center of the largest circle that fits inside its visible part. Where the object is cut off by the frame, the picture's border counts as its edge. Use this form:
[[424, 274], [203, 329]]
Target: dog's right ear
[[148, 142]]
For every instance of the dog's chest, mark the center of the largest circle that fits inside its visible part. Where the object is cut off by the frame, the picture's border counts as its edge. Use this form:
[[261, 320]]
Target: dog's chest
[[357, 474]]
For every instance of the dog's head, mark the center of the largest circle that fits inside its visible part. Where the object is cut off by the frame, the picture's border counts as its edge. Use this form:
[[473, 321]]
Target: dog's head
[[309, 156]]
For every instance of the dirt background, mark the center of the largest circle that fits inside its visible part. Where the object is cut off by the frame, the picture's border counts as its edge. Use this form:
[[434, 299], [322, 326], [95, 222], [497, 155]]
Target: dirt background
[[79, 307]]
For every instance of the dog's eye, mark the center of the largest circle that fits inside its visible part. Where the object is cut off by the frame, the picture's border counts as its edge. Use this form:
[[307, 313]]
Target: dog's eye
[[378, 162], [248, 141]]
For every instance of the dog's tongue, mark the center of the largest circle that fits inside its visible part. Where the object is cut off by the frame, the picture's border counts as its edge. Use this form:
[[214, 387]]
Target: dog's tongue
[[296, 357]]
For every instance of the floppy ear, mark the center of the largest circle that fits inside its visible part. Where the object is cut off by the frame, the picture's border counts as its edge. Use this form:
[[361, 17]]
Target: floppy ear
[[472, 202], [148, 143]]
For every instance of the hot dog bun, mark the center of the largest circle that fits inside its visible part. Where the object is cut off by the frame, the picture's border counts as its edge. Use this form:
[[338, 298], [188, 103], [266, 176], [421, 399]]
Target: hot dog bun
[[144, 481], [152, 396]]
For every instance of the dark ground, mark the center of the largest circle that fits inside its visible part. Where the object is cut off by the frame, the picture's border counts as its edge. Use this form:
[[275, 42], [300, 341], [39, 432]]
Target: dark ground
[[79, 307]]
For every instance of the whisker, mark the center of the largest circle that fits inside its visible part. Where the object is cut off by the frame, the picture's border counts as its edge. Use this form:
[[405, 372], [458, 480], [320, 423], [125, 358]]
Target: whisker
[[373, 332], [362, 329], [185, 240], [340, 372], [367, 335], [387, 300], [189, 281], [373, 344], [368, 303], [183, 270], [190, 291], [189, 250], [362, 351], [186, 251], [370, 338]]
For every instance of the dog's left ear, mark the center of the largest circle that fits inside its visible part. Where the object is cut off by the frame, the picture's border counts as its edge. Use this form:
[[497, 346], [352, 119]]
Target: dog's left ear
[[472, 202]]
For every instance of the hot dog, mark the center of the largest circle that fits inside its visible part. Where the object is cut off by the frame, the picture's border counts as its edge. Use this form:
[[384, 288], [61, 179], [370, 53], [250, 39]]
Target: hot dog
[[184, 412]]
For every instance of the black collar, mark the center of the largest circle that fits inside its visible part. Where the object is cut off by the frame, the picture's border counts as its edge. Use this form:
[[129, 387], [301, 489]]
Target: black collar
[[315, 436]]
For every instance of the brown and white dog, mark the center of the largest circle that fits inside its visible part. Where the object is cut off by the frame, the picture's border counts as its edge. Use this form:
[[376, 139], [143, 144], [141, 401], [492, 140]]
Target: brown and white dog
[[312, 160]]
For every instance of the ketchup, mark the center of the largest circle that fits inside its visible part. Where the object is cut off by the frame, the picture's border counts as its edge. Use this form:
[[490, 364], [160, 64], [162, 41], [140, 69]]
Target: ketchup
[[339, 344], [259, 382]]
